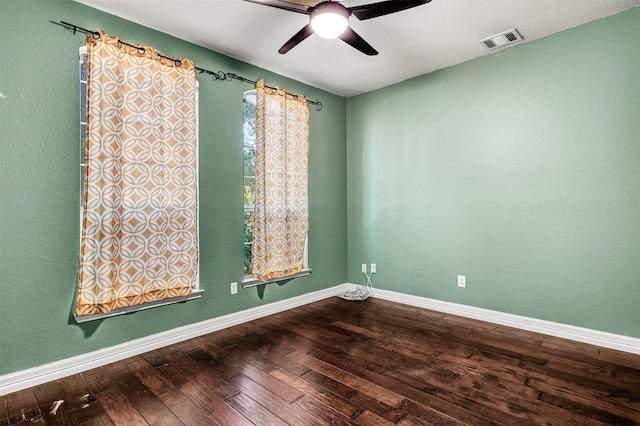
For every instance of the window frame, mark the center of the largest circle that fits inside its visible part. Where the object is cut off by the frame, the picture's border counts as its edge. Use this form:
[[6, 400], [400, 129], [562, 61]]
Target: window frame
[[245, 176], [248, 280], [197, 292]]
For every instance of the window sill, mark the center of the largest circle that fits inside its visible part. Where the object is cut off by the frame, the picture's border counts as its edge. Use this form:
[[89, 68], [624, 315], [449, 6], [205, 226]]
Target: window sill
[[252, 282], [196, 294]]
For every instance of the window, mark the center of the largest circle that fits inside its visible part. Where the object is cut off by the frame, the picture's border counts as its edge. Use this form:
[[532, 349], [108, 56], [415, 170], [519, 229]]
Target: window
[[249, 190], [249, 184], [195, 292], [83, 117]]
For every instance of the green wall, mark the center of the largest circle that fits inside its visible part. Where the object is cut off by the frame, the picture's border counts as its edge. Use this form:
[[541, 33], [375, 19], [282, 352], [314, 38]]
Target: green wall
[[520, 170], [39, 172]]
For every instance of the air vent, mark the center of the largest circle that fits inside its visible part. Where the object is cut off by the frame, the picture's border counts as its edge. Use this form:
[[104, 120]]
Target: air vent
[[501, 40]]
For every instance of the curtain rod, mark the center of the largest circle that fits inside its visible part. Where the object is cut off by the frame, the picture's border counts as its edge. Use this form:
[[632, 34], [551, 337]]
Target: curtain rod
[[217, 76]]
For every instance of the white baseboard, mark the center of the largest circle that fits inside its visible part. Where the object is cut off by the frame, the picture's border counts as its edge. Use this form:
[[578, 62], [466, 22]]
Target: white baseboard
[[45, 373], [38, 375], [571, 332]]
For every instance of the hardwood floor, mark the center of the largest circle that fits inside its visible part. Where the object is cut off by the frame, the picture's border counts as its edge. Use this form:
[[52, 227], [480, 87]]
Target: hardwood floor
[[349, 363]]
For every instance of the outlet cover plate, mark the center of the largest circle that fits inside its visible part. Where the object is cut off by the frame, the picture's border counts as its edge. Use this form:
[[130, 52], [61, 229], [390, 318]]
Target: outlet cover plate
[[234, 288], [462, 281]]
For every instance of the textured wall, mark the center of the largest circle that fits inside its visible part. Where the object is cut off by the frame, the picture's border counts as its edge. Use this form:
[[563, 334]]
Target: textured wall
[[520, 170], [39, 172]]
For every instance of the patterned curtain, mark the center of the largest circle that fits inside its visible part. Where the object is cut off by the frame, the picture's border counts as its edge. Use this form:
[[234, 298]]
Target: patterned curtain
[[281, 216], [139, 226]]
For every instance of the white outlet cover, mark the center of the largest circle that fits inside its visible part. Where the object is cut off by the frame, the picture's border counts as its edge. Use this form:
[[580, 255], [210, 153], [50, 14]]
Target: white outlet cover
[[462, 281], [234, 288]]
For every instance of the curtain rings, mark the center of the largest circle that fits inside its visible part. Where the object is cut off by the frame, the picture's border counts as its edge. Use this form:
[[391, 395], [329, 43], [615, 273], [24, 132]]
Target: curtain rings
[[139, 49]]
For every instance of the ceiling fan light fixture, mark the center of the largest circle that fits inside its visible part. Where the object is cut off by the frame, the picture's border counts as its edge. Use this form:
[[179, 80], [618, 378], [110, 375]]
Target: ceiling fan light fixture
[[329, 20]]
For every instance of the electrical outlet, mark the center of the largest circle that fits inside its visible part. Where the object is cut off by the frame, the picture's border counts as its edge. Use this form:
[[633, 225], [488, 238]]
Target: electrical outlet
[[234, 288], [374, 268], [364, 268], [462, 281]]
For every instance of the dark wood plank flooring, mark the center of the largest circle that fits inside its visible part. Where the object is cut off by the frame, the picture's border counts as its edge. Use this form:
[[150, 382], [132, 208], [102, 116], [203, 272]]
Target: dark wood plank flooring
[[348, 363]]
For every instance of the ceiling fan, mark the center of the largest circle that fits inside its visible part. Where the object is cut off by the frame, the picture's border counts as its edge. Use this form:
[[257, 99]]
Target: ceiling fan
[[330, 19]]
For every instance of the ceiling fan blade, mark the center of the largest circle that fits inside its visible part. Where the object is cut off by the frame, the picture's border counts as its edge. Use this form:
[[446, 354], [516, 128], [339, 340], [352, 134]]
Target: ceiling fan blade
[[354, 40], [285, 5], [305, 32], [310, 3], [373, 10]]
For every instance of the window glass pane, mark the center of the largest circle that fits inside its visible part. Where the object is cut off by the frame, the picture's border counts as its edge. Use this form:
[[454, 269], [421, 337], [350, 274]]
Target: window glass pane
[[249, 168], [83, 125], [249, 158], [249, 119], [249, 190], [83, 68], [248, 238]]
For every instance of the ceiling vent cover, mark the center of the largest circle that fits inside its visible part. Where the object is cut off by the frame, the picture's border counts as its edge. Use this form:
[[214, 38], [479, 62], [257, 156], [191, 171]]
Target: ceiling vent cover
[[503, 39]]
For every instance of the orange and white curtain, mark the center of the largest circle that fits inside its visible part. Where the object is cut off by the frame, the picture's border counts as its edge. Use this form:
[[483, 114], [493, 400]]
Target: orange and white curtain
[[139, 226], [281, 215]]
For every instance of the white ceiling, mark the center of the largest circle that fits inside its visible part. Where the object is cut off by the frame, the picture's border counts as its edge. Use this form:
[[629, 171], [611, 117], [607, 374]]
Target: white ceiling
[[413, 42]]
